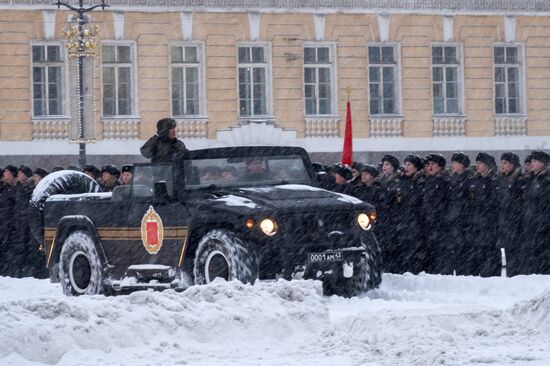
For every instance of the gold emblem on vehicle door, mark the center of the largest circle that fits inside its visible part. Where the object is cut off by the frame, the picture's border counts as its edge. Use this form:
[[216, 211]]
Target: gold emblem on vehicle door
[[152, 231]]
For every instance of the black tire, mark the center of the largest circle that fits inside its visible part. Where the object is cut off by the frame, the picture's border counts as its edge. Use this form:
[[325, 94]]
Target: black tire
[[221, 253], [374, 262], [80, 269], [367, 275]]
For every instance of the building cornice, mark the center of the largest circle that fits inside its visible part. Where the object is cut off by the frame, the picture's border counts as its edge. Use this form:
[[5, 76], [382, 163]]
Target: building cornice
[[481, 7]]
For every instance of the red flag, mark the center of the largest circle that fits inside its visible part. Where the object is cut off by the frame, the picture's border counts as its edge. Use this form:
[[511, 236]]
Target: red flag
[[347, 153]]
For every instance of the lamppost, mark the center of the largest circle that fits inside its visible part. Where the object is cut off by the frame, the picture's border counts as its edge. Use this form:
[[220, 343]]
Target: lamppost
[[81, 43]]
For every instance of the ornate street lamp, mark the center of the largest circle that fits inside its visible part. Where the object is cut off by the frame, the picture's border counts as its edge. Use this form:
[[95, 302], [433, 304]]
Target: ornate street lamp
[[81, 44]]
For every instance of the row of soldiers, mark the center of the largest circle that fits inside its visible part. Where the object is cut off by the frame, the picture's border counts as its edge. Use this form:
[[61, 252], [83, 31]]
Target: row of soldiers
[[19, 252], [458, 220]]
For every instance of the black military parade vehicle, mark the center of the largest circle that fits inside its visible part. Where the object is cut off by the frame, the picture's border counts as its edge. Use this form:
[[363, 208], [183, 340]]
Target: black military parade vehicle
[[240, 213]]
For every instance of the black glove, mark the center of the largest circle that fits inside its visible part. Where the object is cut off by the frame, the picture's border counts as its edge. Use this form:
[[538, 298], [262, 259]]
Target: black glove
[[163, 135]]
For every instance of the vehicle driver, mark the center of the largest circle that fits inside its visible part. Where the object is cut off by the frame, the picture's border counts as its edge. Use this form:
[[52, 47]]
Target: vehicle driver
[[255, 169]]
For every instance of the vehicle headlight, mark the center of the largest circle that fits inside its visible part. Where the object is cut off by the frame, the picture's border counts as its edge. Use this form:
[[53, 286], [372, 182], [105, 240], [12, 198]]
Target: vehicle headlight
[[364, 221], [269, 227]]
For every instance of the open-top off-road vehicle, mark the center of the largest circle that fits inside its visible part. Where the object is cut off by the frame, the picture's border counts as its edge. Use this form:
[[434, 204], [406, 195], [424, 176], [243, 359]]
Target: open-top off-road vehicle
[[244, 213]]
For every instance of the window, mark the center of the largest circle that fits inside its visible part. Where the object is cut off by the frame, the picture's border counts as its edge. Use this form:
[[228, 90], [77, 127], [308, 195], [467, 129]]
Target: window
[[117, 77], [47, 80], [318, 80], [445, 80], [253, 70], [382, 80], [507, 79], [186, 76]]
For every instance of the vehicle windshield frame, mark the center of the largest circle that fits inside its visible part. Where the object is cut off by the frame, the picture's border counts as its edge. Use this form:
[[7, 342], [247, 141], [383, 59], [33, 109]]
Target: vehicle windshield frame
[[237, 156]]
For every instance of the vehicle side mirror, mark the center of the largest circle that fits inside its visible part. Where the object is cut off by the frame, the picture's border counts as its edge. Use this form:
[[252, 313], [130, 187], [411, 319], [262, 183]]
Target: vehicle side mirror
[[161, 191]]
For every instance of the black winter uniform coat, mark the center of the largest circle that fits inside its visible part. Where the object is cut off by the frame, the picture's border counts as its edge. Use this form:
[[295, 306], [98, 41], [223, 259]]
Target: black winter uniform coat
[[536, 225], [409, 224], [386, 229], [484, 256], [510, 192], [8, 222], [457, 220], [160, 149], [364, 192], [435, 200]]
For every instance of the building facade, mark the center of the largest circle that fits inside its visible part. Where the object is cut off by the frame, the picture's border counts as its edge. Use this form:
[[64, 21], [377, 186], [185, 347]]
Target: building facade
[[419, 75]]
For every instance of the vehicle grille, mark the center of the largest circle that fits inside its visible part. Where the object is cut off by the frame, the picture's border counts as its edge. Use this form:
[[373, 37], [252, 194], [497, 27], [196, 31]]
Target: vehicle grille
[[314, 229]]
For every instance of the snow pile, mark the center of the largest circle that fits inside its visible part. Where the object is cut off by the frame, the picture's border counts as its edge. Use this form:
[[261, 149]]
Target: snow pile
[[442, 320], [44, 329], [411, 321], [535, 312]]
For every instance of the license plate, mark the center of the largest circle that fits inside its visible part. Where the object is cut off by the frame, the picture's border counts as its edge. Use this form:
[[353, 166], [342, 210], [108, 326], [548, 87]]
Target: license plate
[[325, 257]]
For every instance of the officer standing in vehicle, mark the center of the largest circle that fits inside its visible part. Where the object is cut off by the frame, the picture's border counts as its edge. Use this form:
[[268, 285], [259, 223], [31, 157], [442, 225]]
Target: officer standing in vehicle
[[164, 145], [485, 258]]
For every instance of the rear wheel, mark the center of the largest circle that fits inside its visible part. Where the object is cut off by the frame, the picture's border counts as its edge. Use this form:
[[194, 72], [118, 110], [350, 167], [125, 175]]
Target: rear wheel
[[222, 254], [80, 270]]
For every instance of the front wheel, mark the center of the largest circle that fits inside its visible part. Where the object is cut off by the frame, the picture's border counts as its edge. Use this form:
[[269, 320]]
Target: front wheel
[[80, 270], [222, 254]]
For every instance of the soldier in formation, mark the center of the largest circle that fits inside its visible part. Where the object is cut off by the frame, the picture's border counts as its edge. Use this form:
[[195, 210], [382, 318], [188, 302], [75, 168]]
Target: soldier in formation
[[459, 220]]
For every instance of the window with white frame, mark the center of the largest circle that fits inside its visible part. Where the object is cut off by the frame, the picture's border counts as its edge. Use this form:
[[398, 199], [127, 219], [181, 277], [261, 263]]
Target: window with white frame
[[383, 71], [445, 79], [507, 63], [318, 79], [185, 61], [47, 80], [253, 71], [117, 79]]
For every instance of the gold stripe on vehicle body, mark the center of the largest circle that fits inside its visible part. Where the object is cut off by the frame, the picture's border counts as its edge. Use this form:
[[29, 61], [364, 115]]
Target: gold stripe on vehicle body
[[51, 249], [185, 241], [125, 234]]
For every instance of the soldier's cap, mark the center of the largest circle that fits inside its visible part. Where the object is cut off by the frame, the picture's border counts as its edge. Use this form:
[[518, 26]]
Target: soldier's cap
[[436, 158], [74, 167], [486, 159], [57, 168], [26, 170], [511, 158], [414, 160], [392, 160], [371, 169], [540, 156], [41, 172], [12, 169], [343, 170], [111, 169], [357, 165], [461, 158], [127, 168], [528, 159], [165, 124], [92, 169]]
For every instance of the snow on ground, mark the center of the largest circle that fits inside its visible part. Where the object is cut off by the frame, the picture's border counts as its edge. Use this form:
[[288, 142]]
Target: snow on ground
[[411, 320]]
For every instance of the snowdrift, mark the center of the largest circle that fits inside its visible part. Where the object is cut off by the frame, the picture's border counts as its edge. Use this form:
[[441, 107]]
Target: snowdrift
[[535, 312], [44, 329], [410, 321]]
